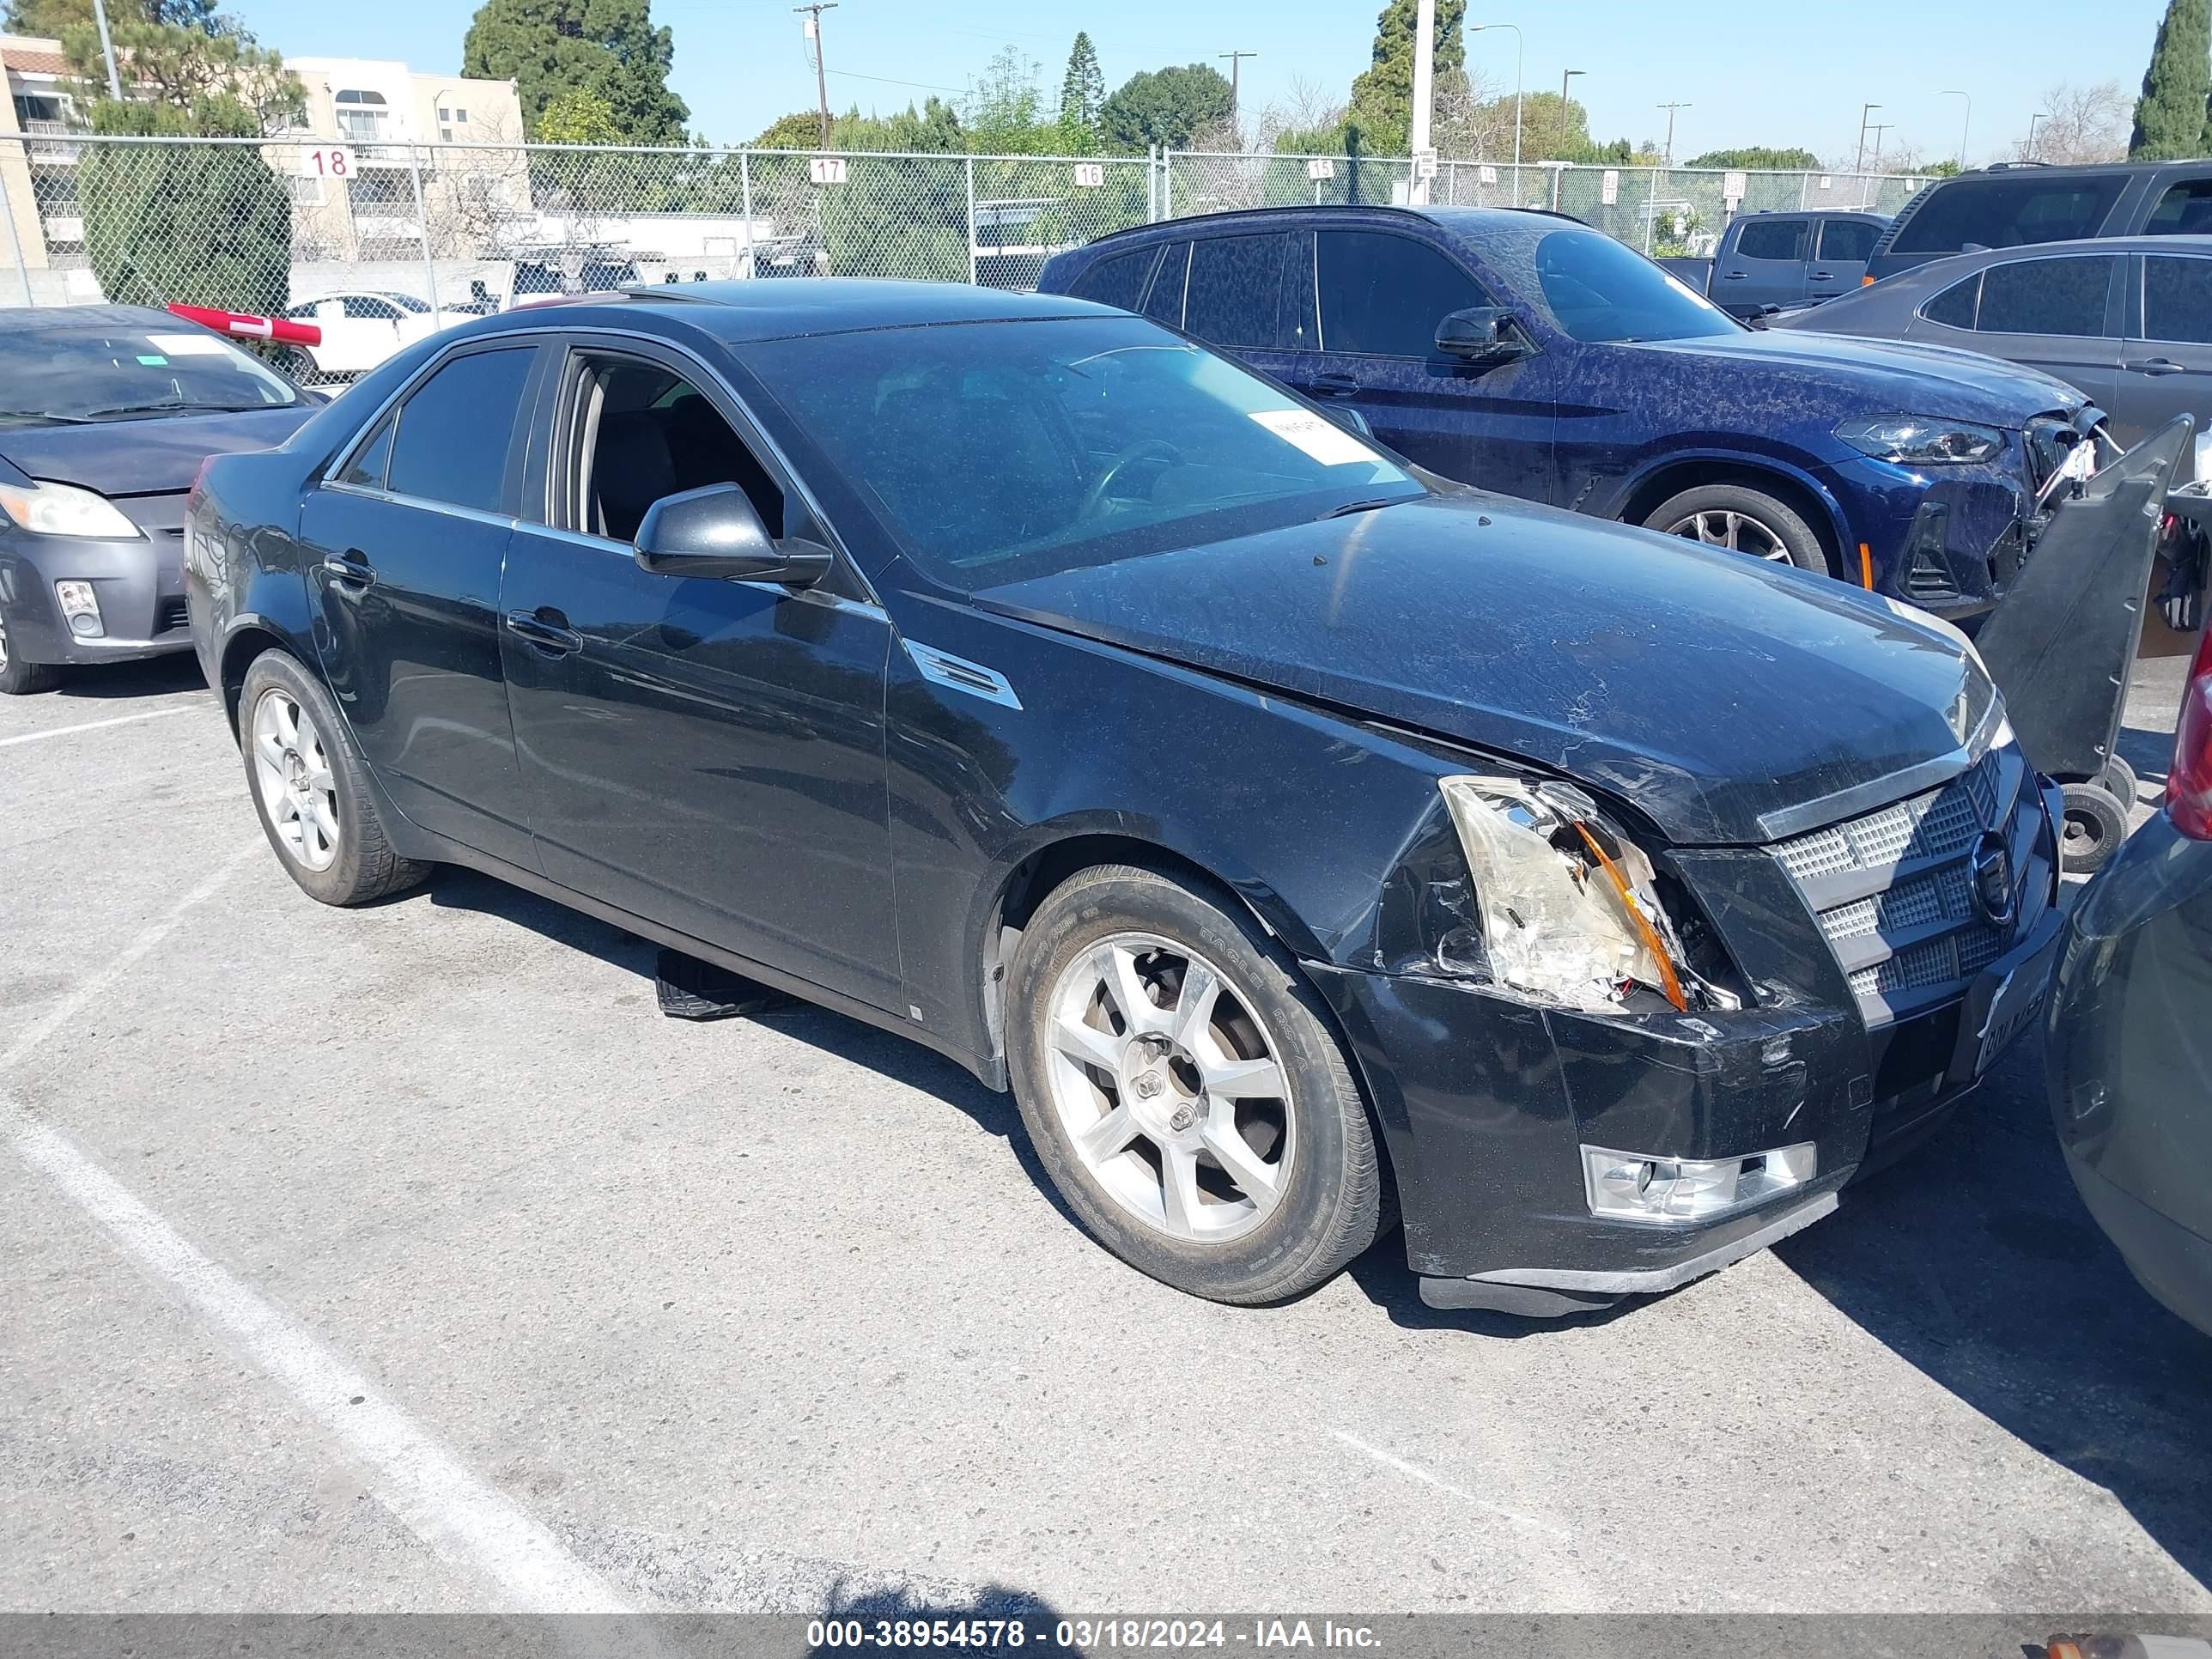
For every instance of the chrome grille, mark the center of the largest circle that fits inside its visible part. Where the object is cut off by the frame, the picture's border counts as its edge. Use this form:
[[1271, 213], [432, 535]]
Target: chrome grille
[[1892, 888]]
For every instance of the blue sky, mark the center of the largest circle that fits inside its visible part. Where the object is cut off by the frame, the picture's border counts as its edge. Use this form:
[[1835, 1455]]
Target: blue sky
[[1753, 71]]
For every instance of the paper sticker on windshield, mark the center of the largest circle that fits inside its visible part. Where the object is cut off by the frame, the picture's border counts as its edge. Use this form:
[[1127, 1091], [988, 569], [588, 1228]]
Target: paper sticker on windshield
[[1324, 441], [189, 345]]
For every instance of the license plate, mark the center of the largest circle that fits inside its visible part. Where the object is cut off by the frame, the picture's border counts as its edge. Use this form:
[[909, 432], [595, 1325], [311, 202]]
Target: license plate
[[2012, 1010]]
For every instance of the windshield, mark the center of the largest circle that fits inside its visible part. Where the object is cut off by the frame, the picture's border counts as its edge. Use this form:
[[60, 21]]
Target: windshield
[[1600, 292], [996, 450], [59, 376]]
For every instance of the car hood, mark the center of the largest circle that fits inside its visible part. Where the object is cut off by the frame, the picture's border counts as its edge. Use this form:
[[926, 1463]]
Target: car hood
[[1708, 690], [1889, 377], [143, 456]]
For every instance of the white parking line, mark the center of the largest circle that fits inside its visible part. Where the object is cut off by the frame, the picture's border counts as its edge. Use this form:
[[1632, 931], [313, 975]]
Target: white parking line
[[93, 726], [468, 1522]]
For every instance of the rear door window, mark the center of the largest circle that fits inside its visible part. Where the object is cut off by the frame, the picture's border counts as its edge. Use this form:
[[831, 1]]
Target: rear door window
[[1119, 280], [1383, 295], [1236, 289], [2185, 209], [1164, 303], [1772, 239], [2046, 296], [2008, 212], [2177, 299], [1849, 241], [457, 429]]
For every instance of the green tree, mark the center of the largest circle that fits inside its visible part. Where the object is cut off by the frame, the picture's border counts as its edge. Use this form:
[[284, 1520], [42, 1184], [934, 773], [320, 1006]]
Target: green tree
[[201, 223], [1165, 107], [609, 47], [1082, 96], [2172, 115], [1757, 158]]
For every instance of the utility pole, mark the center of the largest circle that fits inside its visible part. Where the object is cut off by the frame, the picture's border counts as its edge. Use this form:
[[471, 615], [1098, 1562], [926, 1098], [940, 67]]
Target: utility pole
[[1424, 63], [1859, 165], [1235, 62], [814, 10], [1670, 109], [108, 50]]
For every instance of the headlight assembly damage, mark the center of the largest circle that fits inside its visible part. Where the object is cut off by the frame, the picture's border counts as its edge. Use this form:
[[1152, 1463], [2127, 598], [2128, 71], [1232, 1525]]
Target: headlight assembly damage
[[1565, 908]]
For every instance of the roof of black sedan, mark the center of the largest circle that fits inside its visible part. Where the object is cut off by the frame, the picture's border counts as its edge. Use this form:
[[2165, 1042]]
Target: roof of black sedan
[[781, 307]]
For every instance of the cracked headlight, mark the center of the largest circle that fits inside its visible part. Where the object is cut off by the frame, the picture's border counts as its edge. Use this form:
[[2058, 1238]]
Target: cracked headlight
[[55, 509], [1568, 907], [1920, 440]]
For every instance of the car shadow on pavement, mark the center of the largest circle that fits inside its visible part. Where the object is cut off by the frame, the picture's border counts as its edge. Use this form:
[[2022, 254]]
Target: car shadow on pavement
[[1974, 1261], [897, 1058]]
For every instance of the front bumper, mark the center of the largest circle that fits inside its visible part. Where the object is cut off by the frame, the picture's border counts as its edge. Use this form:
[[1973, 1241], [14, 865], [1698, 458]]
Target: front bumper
[[140, 584], [1486, 1103]]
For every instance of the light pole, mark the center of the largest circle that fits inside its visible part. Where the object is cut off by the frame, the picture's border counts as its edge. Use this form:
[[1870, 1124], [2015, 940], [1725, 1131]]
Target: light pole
[[1518, 43], [1859, 165], [1966, 126]]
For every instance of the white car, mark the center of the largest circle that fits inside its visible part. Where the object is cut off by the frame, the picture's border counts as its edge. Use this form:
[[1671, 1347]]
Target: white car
[[361, 329]]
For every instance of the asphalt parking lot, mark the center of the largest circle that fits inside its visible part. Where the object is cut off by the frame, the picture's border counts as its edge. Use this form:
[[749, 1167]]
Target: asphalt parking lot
[[407, 1259]]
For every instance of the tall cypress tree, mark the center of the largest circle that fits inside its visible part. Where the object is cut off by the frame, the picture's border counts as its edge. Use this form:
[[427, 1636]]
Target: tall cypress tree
[[2173, 117]]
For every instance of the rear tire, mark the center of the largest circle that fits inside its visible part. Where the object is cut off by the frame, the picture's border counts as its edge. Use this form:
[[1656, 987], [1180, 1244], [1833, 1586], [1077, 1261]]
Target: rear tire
[[2094, 826], [1227, 1048], [310, 785], [19, 678], [1740, 519]]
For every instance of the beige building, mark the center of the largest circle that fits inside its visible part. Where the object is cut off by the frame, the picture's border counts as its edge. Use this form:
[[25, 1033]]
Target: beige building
[[378, 154]]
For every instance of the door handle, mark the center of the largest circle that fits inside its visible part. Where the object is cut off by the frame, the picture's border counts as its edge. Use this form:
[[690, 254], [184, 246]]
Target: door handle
[[554, 638], [350, 569], [2158, 366], [1333, 386]]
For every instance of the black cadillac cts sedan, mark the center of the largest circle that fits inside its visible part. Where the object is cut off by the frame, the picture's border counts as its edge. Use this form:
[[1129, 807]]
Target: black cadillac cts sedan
[[1303, 840]]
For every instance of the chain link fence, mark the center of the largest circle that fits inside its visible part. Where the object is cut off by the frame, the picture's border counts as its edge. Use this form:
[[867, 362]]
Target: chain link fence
[[378, 244]]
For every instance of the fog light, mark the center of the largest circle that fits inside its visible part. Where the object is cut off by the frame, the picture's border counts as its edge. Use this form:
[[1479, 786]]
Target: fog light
[[1633, 1187], [80, 607]]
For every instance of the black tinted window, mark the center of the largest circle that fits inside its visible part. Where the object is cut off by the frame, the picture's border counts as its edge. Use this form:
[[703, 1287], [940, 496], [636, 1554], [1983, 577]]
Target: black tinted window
[[370, 461], [1236, 289], [2185, 209], [1955, 307], [1772, 239], [2177, 299], [2008, 212], [2045, 296], [1849, 241], [454, 432], [1385, 295], [1119, 280], [1164, 304]]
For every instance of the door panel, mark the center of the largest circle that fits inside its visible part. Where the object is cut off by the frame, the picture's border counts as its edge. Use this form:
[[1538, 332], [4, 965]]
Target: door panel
[[1764, 265], [1381, 298], [403, 579], [707, 754]]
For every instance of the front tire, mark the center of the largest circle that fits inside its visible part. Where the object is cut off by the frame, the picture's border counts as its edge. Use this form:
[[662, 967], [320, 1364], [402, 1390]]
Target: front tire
[[1184, 1090], [310, 785], [1738, 519], [19, 678]]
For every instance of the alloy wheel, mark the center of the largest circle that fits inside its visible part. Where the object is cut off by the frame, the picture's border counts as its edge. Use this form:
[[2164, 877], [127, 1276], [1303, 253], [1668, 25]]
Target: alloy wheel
[[1736, 532], [1170, 1091], [292, 774]]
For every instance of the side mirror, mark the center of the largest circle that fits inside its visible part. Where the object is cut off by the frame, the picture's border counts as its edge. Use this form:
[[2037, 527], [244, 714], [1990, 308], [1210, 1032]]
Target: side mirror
[[714, 534], [1481, 334]]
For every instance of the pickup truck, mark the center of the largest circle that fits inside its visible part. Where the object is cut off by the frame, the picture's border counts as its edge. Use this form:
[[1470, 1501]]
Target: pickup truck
[[1767, 261]]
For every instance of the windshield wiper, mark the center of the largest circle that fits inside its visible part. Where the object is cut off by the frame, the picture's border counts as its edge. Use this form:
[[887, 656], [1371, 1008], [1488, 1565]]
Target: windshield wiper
[[1360, 507], [175, 408]]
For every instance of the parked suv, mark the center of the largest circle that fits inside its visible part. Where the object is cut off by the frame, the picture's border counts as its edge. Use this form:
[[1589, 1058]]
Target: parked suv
[[1530, 354], [2011, 206], [1769, 260]]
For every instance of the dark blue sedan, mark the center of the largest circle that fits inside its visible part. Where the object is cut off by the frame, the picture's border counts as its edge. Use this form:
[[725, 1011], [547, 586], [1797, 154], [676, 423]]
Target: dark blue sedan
[[1529, 354]]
